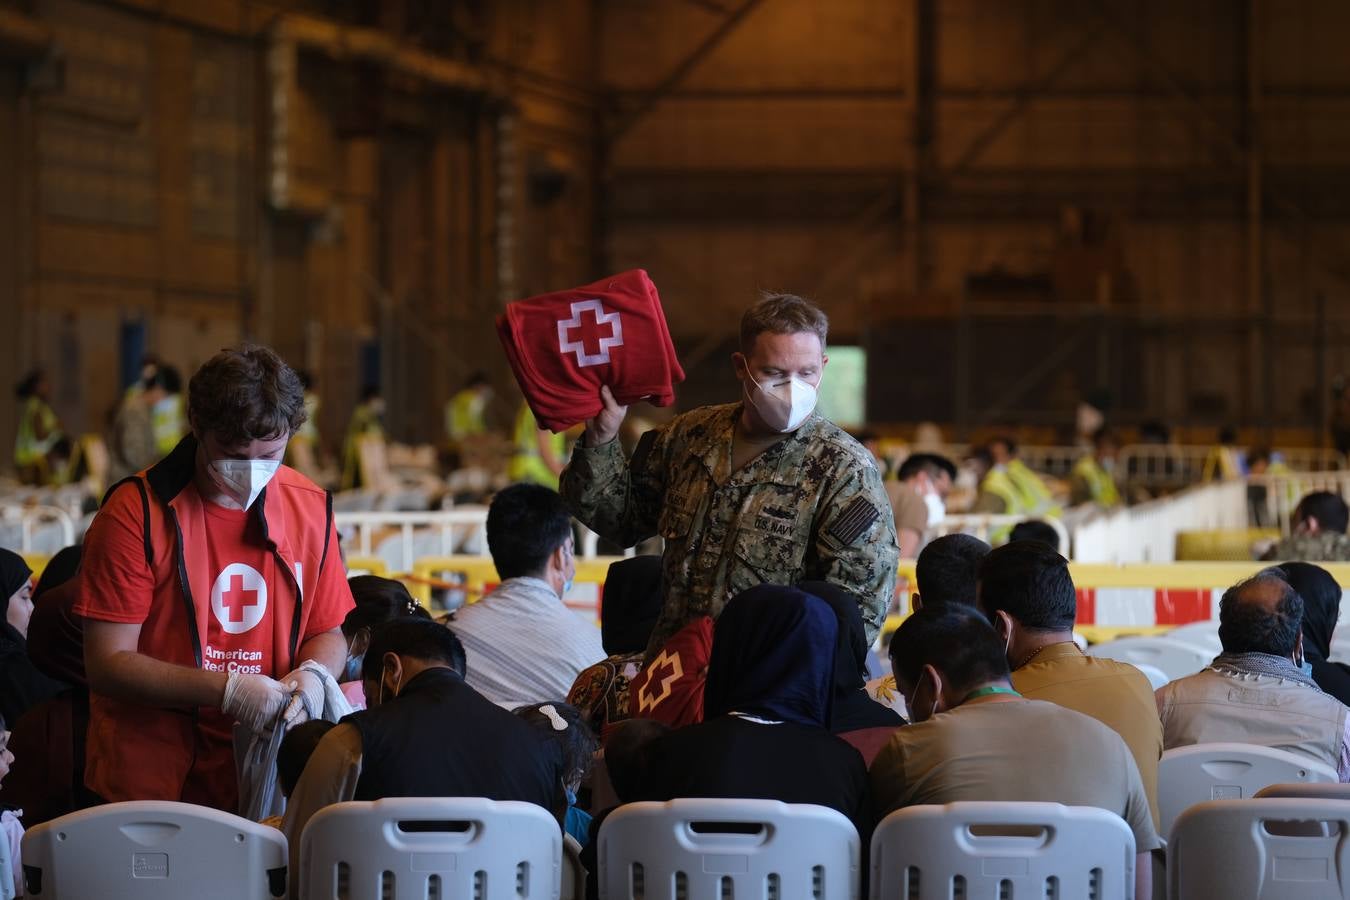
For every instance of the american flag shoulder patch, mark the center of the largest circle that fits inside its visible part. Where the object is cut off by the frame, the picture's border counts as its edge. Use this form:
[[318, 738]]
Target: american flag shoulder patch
[[854, 521]]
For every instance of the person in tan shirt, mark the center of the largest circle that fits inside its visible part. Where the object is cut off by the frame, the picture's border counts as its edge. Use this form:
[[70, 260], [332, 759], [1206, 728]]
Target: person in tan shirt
[[974, 737], [1026, 591], [918, 498]]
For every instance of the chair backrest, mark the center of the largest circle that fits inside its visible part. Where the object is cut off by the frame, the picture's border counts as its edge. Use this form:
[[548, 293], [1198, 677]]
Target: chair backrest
[[1156, 676], [1269, 849], [1204, 634], [431, 847], [1201, 772], [153, 850], [1312, 790], [715, 849], [988, 851], [1176, 659]]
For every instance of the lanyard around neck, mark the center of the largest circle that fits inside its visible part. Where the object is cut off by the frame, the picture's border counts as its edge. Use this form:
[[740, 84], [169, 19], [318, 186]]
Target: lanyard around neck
[[989, 690]]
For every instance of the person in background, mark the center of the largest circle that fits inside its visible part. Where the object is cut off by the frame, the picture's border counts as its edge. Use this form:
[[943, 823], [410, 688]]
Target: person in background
[[39, 429], [49, 739], [168, 414], [1321, 595], [366, 423], [11, 829], [871, 442], [303, 452], [1261, 670], [1094, 475], [530, 538], [628, 766], [563, 723], [768, 703], [948, 571], [133, 446], [1035, 530], [918, 498], [763, 491], [1318, 524], [1224, 461], [1026, 591], [425, 734], [209, 582], [997, 494], [539, 456], [974, 737], [632, 601], [466, 416], [378, 600], [1036, 498], [857, 718], [22, 685]]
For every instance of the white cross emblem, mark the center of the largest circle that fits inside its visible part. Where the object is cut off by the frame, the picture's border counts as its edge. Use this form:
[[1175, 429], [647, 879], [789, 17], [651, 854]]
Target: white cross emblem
[[578, 347]]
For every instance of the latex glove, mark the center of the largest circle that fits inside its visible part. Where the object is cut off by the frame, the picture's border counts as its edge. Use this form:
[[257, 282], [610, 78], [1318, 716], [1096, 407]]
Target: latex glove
[[254, 700], [308, 700]]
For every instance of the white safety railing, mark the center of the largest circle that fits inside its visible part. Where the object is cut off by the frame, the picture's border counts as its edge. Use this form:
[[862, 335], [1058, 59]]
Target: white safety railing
[[1179, 465], [985, 526], [36, 529], [1276, 496], [1056, 461], [1148, 532], [401, 538]]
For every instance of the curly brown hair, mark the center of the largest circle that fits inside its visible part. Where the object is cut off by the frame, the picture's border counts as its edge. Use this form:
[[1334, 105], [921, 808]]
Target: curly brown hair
[[782, 314], [246, 393]]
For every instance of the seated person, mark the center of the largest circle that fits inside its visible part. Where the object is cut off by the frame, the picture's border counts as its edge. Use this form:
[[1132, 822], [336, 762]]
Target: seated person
[[1321, 596], [1256, 691], [767, 703], [972, 737], [563, 723], [1319, 523], [293, 755], [378, 600], [628, 763], [22, 685], [857, 718], [11, 829], [1026, 591], [630, 604], [947, 570], [425, 734], [1035, 530], [524, 645]]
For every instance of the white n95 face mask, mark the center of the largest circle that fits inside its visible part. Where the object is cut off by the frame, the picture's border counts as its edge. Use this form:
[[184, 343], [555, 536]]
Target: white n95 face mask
[[937, 510], [243, 479], [782, 406]]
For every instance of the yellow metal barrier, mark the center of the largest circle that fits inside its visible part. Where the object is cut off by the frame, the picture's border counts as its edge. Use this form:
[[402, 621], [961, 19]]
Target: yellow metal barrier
[[371, 565], [37, 562], [1221, 544]]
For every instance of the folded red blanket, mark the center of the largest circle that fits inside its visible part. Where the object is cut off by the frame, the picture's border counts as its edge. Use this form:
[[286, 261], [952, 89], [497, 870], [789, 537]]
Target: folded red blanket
[[563, 346]]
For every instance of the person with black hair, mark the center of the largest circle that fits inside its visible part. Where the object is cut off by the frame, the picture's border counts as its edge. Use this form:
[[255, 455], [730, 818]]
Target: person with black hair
[[973, 737], [39, 429], [1026, 591], [1319, 524], [1321, 595], [563, 723], [524, 644], [1035, 530], [947, 569], [378, 600], [22, 684], [426, 734], [1259, 690], [632, 601], [918, 498]]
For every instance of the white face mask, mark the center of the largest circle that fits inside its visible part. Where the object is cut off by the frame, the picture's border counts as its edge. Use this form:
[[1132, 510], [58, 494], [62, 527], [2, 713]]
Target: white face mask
[[243, 479], [783, 406], [937, 510]]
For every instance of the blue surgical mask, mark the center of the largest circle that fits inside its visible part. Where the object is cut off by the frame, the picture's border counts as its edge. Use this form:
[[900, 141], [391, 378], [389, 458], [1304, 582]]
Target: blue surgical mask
[[1306, 668]]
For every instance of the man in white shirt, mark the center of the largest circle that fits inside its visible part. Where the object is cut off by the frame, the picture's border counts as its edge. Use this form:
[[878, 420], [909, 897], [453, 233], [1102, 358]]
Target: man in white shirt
[[524, 646]]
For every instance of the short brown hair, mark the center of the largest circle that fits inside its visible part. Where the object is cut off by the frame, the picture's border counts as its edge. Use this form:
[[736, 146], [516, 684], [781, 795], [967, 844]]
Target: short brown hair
[[246, 393], [782, 314]]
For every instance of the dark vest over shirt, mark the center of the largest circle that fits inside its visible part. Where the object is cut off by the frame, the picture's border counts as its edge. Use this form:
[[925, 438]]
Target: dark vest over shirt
[[441, 738]]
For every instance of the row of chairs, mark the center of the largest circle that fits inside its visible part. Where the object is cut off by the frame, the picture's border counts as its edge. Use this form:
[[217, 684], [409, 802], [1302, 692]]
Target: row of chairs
[[440, 848]]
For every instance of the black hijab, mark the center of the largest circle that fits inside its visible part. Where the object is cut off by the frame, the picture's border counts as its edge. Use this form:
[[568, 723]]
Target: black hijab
[[14, 574], [853, 708], [630, 604], [1321, 608], [773, 656]]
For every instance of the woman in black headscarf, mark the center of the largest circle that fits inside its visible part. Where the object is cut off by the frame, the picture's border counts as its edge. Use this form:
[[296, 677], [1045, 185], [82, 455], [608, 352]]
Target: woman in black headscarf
[[857, 718], [21, 684], [630, 603], [767, 708], [1321, 608]]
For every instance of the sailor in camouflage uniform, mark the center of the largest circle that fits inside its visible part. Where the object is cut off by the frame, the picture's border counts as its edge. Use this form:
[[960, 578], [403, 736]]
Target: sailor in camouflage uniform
[[761, 491], [1319, 523]]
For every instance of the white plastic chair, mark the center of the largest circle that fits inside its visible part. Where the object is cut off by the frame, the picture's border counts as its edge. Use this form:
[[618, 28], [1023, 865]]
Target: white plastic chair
[[713, 849], [416, 848], [1312, 790], [996, 850], [1156, 676], [1275, 849], [1204, 635], [1175, 659], [1202, 772], [154, 850]]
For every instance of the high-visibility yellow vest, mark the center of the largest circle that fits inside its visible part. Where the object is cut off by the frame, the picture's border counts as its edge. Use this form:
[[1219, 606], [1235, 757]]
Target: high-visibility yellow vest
[[35, 416], [365, 423], [527, 464], [1036, 497], [169, 423], [464, 415], [1101, 485], [309, 431], [1221, 464], [998, 483]]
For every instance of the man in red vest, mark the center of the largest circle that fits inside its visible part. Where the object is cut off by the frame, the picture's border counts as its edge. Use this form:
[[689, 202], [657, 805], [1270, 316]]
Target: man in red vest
[[207, 580]]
